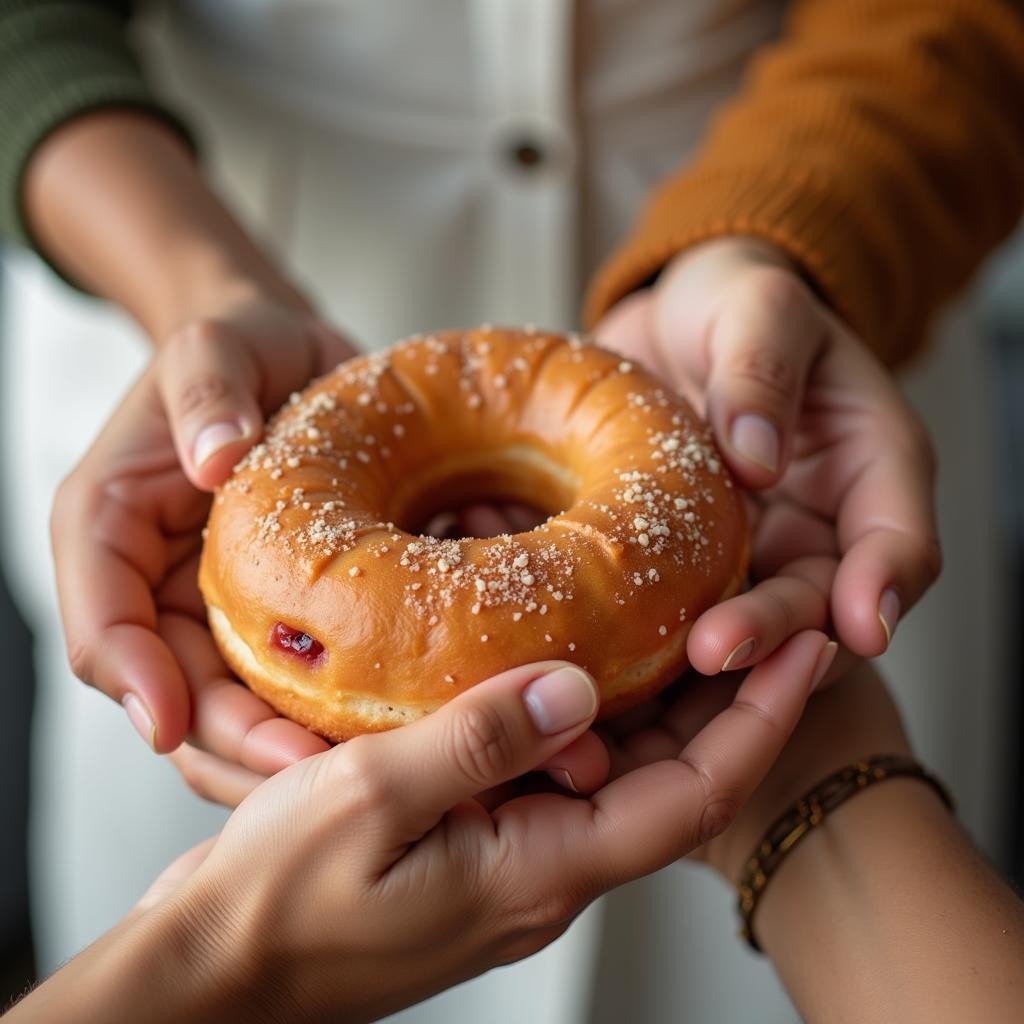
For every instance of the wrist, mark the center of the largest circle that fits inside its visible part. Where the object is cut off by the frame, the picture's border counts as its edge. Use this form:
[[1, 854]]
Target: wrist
[[167, 964], [208, 949], [116, 200], [850, 720], [195, 956], [733, 251]]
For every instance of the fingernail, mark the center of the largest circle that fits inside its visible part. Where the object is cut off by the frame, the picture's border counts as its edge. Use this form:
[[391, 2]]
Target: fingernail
[[756, 438], [140, 718], [824, 663], [889, 613], [563, 779], [739, 653], [213, 438], [560, 700]]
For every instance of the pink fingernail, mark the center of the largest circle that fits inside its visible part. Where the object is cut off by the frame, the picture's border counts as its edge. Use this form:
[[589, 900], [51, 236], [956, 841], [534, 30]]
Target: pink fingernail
[[140, 718], [824, 663], [563, 779], [739, 653], [756, 439], [212, 439], [561, 699], [889, 613]]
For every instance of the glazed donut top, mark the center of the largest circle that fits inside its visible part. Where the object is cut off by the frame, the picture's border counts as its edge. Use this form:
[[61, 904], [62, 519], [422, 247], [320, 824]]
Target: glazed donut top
[[327, 600]]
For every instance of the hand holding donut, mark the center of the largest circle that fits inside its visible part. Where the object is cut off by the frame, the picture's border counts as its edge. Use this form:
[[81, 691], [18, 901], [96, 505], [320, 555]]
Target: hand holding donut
[[367, 878], [127, 526], [807, 417]]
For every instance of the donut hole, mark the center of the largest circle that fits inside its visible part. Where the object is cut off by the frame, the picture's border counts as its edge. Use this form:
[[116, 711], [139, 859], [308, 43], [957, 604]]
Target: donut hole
[[508, 490]]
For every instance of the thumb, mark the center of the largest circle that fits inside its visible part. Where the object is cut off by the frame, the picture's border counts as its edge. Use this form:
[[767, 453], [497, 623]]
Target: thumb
[[761, 348], [208, 386], [496, 731]]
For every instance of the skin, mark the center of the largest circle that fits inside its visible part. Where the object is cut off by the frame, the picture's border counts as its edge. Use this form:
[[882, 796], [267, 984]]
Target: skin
[[887, 911], [114, 200], [732, 325], [368, 877], [300, 909]]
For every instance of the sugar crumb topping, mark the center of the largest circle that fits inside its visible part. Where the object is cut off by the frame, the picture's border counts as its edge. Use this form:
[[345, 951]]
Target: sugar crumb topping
[[658, 508]]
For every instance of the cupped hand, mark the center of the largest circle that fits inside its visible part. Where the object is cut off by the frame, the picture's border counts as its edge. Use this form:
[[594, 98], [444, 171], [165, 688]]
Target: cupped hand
[[852, 719], [840, 467], [127, 528], [369, 877]]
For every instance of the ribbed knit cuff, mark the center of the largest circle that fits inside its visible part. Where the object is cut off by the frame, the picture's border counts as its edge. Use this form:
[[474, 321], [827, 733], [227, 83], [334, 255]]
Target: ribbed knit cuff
[[803, 214], [58, 61]]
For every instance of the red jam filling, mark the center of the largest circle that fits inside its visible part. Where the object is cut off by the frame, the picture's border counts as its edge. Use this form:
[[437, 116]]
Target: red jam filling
[[294, 641]]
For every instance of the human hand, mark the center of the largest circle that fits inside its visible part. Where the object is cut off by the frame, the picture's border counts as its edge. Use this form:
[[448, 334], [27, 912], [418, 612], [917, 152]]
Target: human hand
[[127, 525], [808, 418], [367, 878], [854, 718]]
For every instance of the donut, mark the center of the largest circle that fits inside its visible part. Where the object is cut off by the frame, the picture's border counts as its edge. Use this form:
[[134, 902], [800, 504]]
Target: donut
[[326, 598]]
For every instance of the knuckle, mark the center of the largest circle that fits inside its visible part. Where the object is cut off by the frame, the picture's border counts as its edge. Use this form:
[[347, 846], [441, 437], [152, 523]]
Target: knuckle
[[776, 289], [528, 911], [554, 910], [757, 711], [66, 502], [358, 784], [201, 392], [768, 369], [783, 609], [201, 333], [916, 436], [930, 557], [716, 816], [80, 657], [933, 557], [479, 745]]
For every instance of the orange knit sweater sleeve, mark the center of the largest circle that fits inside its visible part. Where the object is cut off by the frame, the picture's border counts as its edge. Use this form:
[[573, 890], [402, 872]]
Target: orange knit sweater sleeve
[[880, 143]]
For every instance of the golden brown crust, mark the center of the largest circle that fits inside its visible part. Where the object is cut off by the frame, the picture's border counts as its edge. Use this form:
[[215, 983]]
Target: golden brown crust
[[308, 530]]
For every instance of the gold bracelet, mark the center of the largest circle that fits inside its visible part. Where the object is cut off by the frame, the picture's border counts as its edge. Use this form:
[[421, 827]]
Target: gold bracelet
[[808, 813]]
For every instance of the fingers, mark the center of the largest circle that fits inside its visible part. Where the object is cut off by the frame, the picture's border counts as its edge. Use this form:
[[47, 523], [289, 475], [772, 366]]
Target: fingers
[[496, 731], [628, 328], [745, 629], [229, 720], [209, 384], [581, 767], [784, 532], [212, 778], [103, 551], [653, 816], [889, 538], [762, 343]]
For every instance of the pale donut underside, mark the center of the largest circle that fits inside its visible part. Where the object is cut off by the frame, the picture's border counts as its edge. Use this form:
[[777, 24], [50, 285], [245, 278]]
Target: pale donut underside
[[325, 600]]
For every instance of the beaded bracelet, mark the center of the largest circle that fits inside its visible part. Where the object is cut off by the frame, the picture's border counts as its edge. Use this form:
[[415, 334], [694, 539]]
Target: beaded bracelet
[[808, 813]]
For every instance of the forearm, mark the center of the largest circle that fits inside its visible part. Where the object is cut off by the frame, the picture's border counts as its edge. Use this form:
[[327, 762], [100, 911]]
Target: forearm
[[116, 200], [832, 153], [887, 912], [158, 966]]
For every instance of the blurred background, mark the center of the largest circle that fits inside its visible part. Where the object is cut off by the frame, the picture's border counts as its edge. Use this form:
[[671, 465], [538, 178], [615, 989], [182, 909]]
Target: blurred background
[[16, 960]]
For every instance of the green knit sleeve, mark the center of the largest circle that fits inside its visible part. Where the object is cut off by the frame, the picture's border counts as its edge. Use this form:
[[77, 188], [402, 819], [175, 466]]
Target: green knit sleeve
[[60, 59]]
